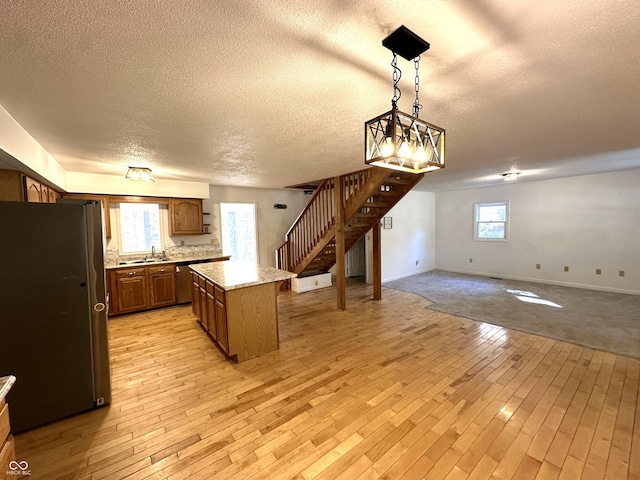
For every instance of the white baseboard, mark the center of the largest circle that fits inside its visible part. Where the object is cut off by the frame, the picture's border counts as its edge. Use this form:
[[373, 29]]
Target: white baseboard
[[398, 277], [542, 280]]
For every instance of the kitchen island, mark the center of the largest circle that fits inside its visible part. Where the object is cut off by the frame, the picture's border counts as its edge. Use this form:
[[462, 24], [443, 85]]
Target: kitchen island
[[7, 444], [235, 302]]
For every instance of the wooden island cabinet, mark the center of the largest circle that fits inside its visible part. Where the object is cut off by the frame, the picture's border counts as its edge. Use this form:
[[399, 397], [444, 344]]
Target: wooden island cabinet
[[7, 444], [237, 306]]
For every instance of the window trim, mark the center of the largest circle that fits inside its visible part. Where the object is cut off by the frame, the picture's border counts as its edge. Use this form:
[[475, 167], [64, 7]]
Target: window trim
[[507, 223]]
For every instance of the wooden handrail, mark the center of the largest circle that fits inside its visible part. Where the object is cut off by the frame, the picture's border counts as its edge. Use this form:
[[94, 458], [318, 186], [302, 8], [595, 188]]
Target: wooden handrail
[[313, 197], [312, 223], [318, 217]]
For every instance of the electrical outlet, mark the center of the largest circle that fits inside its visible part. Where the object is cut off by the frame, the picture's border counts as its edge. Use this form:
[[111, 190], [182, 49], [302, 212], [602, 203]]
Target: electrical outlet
[[598, 271], [182, 243], [537, 266], [621, 273], [566, 269], [471, 260]]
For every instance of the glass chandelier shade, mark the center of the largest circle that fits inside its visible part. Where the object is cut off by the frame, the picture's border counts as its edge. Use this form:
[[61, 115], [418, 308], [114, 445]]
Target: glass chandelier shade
[[400, 141]]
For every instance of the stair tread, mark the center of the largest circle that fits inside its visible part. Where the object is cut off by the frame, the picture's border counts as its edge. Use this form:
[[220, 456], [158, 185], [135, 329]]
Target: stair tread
[[365, 214], [369, 204]]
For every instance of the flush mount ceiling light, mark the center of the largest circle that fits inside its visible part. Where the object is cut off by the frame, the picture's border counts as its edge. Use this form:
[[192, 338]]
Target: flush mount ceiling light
[[140, 174], [396, 139]]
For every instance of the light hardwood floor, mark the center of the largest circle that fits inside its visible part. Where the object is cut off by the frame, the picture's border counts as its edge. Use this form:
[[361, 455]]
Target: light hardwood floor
[[386, 389]]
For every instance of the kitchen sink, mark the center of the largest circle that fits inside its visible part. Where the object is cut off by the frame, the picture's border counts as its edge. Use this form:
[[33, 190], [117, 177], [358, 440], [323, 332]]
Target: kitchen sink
[[146, 260]]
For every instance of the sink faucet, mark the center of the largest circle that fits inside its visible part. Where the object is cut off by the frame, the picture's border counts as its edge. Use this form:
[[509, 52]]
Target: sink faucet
[[153, 251]]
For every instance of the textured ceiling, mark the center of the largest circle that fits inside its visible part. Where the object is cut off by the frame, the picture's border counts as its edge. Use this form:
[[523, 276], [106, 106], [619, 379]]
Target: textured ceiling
[[271, 93]]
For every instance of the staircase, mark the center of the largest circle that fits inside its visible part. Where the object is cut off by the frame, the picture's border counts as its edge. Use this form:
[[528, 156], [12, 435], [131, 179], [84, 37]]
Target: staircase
[[368, 195]]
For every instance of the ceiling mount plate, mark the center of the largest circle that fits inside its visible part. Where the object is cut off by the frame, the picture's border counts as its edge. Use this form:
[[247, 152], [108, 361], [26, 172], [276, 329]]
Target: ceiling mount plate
[[405, 43]]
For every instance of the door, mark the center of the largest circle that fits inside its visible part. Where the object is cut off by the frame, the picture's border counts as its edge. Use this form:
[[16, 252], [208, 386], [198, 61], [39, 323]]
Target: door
[[355, 260], [239, 233]]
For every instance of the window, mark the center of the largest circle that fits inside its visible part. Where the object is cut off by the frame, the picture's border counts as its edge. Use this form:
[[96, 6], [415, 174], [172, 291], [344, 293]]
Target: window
[[491, 221], [139, 227], [238, 222]]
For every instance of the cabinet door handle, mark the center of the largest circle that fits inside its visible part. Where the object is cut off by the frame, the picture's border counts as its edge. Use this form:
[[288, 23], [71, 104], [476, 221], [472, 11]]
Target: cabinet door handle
[[161, 270], [131, 273]]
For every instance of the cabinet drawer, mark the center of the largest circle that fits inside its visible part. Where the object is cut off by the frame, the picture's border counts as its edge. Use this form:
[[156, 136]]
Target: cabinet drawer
[[4, 421], [209, 287], [219, 294], [201, 281], [136, 272], [163, 269]]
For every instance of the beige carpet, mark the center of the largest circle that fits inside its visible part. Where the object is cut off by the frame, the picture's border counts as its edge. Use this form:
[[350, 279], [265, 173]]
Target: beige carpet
[[601, 320]]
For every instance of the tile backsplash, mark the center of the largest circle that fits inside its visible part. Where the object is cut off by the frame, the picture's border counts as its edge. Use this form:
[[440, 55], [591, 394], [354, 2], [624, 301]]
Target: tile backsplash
[[178, 252]]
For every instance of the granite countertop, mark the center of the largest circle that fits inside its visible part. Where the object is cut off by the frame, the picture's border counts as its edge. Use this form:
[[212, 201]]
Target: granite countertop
[[232, 274], [191, 258], [5, 385]]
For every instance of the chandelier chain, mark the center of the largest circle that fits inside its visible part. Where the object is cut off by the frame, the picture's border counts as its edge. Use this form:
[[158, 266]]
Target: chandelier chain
[[416, 104], [397, 74]]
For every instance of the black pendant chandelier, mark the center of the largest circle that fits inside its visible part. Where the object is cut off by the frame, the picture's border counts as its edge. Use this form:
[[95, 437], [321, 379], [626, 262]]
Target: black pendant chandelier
[[396, 139]]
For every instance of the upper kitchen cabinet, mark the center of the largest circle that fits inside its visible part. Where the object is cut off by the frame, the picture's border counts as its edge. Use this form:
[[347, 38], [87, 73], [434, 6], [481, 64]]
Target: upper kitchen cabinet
[[53, 196], [104, 199], [33, 190], [185, 216], [15, 186]]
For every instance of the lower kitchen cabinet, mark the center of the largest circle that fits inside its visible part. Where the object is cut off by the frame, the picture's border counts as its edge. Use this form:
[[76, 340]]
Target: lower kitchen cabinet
[[131, 292], [162, 280], [133, 289]]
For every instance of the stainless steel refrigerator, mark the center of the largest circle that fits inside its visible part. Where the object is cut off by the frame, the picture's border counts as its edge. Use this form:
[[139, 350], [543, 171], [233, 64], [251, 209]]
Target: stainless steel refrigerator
[[53, 310]]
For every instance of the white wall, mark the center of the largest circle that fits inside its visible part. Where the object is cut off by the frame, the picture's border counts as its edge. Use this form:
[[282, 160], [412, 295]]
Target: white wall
[[411, 238], [585, 222], [119, 185], [273, 224], [17, 142]]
